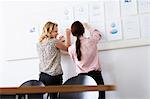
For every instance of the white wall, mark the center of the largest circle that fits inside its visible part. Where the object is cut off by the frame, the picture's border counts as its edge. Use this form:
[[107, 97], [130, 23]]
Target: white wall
[[129, 70]]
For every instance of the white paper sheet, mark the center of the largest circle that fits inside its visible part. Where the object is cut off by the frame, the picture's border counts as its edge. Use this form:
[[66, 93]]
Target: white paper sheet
[[144, 6], [128, 7], [145, 25], [131, 29], [96, 16], [112, 9], [113, 29], [67, 18], [96, 10], [81, 13], [66, 21]]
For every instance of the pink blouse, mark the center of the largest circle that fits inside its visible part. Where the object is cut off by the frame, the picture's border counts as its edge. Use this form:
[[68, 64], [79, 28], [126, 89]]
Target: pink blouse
[[90, 58]]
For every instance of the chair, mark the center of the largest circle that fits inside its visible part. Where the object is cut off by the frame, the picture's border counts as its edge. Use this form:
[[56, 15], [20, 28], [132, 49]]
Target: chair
[[8, 96], [80, 80], [33, 96]]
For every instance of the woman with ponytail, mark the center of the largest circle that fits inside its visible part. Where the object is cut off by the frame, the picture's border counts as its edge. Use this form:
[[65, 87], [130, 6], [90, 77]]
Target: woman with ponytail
[[48, 50], [84, 53]]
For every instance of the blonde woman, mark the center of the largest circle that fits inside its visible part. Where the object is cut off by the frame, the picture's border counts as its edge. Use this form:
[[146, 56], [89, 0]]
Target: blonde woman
[[50, 57]]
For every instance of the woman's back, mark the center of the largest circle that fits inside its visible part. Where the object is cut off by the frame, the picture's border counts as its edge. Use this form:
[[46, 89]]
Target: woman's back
[[49, 57], [89, 59]]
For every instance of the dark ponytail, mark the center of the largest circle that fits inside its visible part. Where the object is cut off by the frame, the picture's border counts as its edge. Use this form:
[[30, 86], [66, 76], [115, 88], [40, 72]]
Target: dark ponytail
[[78, 51], [77, 30]]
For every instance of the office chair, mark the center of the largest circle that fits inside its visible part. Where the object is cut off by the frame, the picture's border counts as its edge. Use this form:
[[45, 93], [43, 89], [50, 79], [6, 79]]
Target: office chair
[[33, 96], [80, 80], [7, 96]]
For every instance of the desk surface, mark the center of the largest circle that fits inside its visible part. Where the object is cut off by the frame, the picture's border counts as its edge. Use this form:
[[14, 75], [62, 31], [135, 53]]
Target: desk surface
[[58, 88]]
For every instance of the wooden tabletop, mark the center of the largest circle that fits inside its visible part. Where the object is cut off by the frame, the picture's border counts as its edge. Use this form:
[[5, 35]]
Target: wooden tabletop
[[58, 88]]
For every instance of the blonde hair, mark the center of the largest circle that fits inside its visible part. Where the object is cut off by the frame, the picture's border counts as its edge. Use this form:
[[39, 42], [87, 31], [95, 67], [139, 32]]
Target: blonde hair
[[47, 29]]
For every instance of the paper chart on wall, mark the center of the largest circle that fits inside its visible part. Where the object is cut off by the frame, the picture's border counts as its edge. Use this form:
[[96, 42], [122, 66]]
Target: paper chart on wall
[[112, 9], [81, 13], [96, 17], [67, 17], [131, 28], [113, 29], [66, 21], [145, 25], [128, 7], [96, 11], [144, 6]]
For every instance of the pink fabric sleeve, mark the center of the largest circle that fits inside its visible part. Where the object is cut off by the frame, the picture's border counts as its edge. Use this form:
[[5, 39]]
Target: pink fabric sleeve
[[95, 35]]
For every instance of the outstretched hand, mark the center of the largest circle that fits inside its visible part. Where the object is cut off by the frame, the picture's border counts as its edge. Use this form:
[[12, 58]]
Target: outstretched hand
[[87, 26], [68, 32], [68, 41], [61, 38]]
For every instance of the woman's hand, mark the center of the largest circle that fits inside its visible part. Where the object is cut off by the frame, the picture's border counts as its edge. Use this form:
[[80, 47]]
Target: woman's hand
[[87, 26], [61, 38], [68, 33]]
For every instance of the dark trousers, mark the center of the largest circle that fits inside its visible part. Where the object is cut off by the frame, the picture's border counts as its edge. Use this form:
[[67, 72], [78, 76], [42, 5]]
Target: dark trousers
[[51, 80], [97, 76]]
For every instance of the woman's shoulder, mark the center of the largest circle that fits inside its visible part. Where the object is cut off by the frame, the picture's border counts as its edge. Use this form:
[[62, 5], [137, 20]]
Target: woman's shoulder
[[52, 41], [47, 42], [72, 47]]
